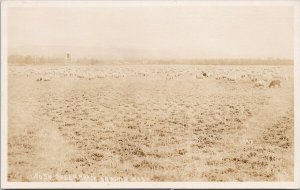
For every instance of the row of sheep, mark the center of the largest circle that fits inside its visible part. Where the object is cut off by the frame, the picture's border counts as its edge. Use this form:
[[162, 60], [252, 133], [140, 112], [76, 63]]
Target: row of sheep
[[94, 72], [259, 81], [259, 76]]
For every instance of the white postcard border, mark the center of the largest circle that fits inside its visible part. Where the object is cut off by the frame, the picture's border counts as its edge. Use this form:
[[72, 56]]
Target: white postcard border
[[91, 185]]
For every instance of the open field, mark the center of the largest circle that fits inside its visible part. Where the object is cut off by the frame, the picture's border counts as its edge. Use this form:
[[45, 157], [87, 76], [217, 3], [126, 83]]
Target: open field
[[152, 122]]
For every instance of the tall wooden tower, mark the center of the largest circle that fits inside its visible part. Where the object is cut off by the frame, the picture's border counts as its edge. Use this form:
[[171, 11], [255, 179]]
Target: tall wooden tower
[[68, 59]]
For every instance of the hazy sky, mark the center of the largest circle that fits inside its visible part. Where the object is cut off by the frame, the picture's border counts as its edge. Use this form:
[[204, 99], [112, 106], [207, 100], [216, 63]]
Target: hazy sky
[[179, 32]]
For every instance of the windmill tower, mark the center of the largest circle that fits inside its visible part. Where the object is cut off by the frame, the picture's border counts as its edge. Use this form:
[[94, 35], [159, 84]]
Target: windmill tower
[[68, 59]]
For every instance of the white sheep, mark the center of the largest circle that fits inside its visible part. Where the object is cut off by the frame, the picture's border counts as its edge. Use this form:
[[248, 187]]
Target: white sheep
[[260, 83], [199, 77]]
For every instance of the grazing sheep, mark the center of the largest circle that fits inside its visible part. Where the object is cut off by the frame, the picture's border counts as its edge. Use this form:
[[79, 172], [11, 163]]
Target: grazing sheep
[[274, 83], [199, 77], [260, 83], [231, 78], [169, 77], [254, 79], [178, 74], [46, 79], [39, 79], [220, 77]]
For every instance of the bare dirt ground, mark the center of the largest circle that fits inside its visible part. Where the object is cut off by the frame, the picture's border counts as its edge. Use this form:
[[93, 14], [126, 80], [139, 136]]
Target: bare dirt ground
[[152, 123]]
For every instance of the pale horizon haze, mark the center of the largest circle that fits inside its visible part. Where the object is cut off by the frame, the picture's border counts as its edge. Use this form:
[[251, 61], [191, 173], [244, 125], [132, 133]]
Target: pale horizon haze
[[153, 32]]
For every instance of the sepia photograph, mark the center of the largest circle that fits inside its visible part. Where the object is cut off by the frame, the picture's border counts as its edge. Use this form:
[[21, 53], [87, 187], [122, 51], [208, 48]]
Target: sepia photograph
[[149, 94]]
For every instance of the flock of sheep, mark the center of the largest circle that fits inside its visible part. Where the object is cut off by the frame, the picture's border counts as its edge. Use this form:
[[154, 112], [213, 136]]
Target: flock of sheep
[[260, 76]]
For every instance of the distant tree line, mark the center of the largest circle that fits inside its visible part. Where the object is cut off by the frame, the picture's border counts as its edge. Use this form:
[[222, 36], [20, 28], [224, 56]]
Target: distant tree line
[[36, 60], [27, 59], [249, 61]]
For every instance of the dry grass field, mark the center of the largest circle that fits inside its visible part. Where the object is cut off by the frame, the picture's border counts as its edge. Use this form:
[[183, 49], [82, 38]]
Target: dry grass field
[[150, 123]]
